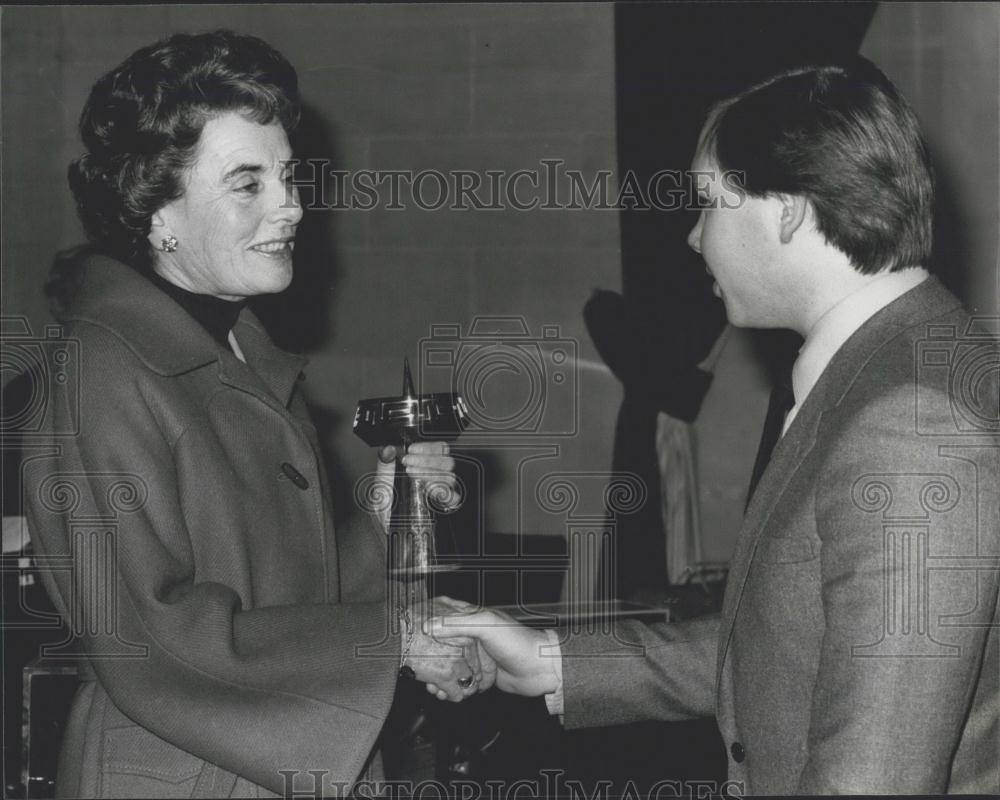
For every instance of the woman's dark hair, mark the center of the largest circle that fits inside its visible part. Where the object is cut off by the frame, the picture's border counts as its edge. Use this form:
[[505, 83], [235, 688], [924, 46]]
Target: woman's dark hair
[[842, 136], [142, 122]]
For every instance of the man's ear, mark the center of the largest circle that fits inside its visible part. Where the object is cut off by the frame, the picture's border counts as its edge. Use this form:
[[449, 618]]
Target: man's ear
[[794, 208]]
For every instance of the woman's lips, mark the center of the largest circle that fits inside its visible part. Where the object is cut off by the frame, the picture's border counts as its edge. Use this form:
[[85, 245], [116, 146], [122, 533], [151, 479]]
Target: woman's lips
[[275, 247]]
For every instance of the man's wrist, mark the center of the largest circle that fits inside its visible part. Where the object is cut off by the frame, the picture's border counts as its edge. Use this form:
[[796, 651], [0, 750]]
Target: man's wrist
[[553, 654]]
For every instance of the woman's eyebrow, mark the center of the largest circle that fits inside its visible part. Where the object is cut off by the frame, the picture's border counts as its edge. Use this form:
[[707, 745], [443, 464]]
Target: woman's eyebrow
[[240, 168]]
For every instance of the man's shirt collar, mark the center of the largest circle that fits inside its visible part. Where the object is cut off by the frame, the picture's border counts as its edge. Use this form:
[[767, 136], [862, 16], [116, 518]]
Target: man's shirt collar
[[840, 322]]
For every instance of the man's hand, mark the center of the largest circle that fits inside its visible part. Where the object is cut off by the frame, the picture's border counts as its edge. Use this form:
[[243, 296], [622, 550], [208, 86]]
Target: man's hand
[[522, 659], [428, 461]]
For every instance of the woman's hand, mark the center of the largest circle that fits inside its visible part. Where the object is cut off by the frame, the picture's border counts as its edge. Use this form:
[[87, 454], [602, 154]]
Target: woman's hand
[[431, 463]]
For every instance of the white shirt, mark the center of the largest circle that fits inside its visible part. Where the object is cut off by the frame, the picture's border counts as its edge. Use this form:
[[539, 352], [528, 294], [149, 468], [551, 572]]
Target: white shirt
[[236, 348], [841, 322], [822, 342]]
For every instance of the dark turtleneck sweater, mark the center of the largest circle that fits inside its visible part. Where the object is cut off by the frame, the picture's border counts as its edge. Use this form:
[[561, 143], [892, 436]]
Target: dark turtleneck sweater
[[215, 315]]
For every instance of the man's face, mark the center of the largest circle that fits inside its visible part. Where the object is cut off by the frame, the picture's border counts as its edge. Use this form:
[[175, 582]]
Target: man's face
[[738, 245]]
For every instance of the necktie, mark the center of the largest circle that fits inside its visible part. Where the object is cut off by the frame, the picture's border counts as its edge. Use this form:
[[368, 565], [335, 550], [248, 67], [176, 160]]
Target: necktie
[[781, 402]]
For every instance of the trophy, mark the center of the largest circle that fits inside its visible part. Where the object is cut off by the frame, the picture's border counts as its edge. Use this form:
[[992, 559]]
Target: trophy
[[400, 421]]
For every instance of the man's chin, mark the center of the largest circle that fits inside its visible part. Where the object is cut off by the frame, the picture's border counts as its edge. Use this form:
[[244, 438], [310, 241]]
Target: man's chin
[[733, 315]]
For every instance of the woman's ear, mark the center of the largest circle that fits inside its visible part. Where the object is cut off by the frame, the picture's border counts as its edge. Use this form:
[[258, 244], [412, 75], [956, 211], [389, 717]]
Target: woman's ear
[[157, 229], [794, 208]]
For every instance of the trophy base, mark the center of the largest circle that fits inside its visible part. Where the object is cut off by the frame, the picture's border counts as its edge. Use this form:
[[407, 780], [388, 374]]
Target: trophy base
[[415, 573]]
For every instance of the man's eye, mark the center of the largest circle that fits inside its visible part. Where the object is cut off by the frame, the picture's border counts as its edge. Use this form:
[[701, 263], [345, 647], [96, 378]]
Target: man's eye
[[248, 188]]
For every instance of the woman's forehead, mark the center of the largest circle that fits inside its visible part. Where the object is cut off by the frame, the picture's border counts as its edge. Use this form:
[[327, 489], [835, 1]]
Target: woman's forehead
[[230, 140]]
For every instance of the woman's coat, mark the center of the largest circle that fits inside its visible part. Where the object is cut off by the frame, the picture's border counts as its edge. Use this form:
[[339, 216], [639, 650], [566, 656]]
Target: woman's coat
[[180, 509]]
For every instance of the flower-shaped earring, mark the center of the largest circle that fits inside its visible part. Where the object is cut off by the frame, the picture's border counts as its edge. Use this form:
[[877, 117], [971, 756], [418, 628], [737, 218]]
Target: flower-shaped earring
[[168, 244]]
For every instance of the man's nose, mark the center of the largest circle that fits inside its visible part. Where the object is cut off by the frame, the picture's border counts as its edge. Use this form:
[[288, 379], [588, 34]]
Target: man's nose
[[694, 238]]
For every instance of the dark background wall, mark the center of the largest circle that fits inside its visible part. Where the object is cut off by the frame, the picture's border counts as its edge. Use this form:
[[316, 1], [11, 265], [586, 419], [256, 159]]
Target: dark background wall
[[492, 86]]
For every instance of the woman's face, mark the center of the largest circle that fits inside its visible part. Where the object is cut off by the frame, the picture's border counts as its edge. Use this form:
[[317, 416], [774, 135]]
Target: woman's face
[[235, 223]]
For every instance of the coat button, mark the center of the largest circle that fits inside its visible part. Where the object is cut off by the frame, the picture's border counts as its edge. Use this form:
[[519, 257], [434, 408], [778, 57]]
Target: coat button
[[295, 476], [738, 752]]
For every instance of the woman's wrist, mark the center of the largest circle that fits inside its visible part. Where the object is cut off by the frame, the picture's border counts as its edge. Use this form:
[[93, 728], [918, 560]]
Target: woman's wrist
[[407, 633]]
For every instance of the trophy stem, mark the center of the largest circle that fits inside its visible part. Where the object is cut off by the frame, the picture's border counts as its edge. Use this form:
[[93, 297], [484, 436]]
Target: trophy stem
[[411, 530], [400, 421]]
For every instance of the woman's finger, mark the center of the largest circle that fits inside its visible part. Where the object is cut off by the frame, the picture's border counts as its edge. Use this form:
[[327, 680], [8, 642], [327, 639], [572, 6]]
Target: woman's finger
[[429, 464], [429, 448]]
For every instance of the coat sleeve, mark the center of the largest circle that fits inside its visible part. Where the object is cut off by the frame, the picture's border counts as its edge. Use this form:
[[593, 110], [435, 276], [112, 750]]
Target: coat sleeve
[[255, 691], [362, 546], [896, 676], [636, 672]]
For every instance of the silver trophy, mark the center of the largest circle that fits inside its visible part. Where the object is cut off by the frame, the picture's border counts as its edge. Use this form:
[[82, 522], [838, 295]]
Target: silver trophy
[[401, 421]]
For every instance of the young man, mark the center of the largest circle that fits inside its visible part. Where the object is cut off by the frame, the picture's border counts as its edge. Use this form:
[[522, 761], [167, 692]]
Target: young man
[[857, 650]]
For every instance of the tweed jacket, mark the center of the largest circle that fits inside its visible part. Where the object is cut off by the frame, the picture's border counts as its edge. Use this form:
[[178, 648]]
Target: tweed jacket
[[857, 650], [185, 530]]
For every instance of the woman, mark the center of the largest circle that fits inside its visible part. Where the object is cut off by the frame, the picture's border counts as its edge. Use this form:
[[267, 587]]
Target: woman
[[232, 640]]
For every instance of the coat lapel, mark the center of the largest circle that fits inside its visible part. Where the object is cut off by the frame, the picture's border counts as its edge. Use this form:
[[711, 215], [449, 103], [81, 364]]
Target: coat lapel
[[277, 370], [154, 327], [167, 340], [787, 457], [925, 301]]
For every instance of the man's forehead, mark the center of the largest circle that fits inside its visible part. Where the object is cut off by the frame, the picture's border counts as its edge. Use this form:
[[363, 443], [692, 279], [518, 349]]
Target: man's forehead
[[705, 169]]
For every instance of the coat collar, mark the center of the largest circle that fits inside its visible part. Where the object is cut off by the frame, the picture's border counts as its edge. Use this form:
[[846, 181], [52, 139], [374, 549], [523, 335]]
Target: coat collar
[[168, 341], [925, 301]]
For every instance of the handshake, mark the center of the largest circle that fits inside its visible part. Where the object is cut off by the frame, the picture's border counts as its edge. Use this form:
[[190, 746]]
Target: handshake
[[458, 650]]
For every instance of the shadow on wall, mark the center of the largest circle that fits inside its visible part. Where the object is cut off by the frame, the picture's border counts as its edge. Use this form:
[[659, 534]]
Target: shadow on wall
[[950, 259]]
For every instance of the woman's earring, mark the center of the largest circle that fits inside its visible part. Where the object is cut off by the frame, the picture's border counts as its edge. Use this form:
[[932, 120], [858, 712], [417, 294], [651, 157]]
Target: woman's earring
[[168, 244]]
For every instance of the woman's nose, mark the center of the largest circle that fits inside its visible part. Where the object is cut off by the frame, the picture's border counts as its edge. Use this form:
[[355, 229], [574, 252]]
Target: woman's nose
[[287, 206]]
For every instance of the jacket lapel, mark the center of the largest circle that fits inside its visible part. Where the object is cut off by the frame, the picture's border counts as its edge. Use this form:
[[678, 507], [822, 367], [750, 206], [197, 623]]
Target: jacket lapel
[[787, 457], [923, 302]]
